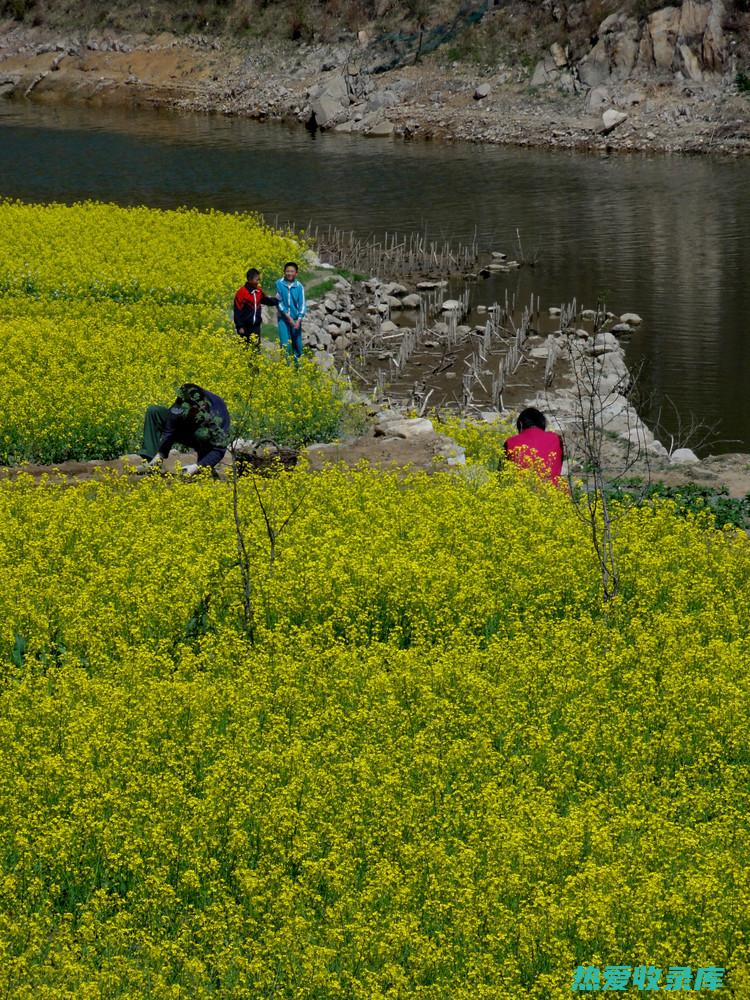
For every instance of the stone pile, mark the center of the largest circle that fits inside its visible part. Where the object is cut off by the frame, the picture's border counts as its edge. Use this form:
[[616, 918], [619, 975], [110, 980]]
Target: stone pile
[[355, 311], [595, 393]]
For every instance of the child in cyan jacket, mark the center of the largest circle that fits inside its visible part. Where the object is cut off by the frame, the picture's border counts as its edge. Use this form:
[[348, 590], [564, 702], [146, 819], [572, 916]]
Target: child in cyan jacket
[[292, 308], [247, 308]]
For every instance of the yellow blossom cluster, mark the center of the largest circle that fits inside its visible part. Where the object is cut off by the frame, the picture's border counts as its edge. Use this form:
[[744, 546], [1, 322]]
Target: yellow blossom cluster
[[482, 441], [104, 310], [104, 252], [443, 770]]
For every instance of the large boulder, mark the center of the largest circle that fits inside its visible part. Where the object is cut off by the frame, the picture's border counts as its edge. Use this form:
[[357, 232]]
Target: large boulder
[[328, 100], [381, 128], [625, 52], [604, 343], [693, 19], [615, 53], [545, 72], [611, 119], [713, 46], [683, 456], [594, 69], [664, 29]]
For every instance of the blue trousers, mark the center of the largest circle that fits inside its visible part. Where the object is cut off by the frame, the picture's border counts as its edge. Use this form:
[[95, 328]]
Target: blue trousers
[[290, 339]]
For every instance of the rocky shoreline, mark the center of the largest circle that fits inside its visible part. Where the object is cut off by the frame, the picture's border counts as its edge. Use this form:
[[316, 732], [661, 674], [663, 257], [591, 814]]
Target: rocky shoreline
[[598, 103], [577, 375], [586, 383]]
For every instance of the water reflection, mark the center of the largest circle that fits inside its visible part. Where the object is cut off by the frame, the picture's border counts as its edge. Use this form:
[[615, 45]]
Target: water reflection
[[668, 238]]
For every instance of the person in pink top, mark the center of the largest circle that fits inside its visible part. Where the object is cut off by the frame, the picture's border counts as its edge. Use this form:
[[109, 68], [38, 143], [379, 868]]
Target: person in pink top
[[534, 447]]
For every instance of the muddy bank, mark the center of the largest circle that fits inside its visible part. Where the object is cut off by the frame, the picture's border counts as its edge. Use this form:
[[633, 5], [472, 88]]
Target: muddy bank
[[332, 87]]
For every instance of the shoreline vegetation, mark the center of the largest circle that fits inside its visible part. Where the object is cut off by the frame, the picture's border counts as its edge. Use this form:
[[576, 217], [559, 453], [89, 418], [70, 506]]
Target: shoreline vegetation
[[667, 79]]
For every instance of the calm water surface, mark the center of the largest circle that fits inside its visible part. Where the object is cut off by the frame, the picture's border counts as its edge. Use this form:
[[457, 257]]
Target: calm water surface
[[668, 238]]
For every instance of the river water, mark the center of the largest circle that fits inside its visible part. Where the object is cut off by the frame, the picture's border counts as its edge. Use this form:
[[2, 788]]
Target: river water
[[666, 237]]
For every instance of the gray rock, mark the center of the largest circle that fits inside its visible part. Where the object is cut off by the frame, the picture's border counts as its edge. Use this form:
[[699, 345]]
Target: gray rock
[[406, 428], [612, 364], [611, 119], [382, 99], [386, 415], [683, 456], [657, 448], [388, 326], [693, 19], [559, 55], [482, 91], [632, 319], [622, 328], [713, 48], [612, 23], [604, 342], [452, 452], [664, 28], [411, 301], [451, 305], [544, 73], [381, 129], [326, 110], [597, 98], [594, 68]]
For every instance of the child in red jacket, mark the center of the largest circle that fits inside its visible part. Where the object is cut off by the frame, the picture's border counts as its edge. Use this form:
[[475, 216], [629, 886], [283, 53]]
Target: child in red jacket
[[247, 308]]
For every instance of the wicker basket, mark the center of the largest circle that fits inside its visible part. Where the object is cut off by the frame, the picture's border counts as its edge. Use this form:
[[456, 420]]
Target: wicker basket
[[264, 457]]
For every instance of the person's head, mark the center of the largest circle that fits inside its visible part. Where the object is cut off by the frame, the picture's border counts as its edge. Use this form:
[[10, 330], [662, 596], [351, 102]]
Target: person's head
[[531, 417], [253, 277], [290, 271], [190, 397]]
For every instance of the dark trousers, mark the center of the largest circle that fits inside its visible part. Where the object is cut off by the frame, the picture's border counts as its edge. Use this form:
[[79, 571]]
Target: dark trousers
[[154, 425], [251, 336]]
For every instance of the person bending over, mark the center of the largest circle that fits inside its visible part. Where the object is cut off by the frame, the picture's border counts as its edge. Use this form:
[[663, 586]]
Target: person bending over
[[534, 447], [197, 419]]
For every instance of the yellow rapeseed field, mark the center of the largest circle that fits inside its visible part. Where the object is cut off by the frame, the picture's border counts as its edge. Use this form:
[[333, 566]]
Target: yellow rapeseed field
[[104, 310], [444, 769]]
